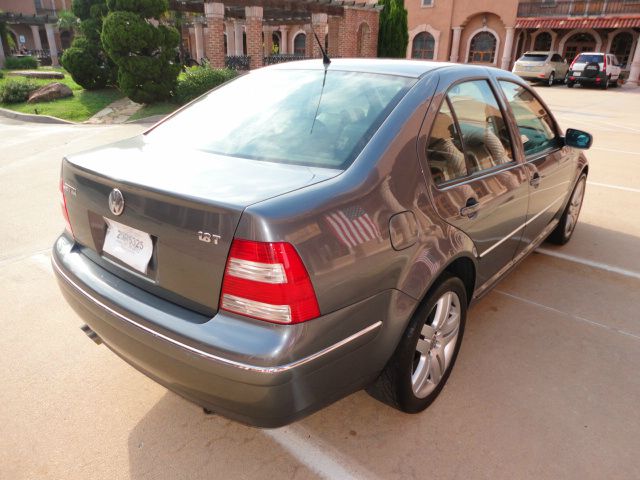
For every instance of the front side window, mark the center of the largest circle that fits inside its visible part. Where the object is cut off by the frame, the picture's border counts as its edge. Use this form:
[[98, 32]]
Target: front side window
[[535, 125], [469, 134], [288, 116]]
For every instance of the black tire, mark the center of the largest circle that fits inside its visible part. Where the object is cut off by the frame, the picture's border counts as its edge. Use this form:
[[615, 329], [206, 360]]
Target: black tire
[[394, 385], [570, 84], [560, 234], [566, 78], [551, 80]]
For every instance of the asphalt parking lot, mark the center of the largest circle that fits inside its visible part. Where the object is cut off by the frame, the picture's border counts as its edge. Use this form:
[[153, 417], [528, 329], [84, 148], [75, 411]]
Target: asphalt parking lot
[[547, 384]]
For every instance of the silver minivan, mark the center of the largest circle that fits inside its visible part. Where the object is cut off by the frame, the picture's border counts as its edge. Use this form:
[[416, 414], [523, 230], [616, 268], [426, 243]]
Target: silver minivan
[[547, 67]]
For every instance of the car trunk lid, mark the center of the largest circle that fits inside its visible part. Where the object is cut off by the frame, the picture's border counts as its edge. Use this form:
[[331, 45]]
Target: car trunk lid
[[189, 203]]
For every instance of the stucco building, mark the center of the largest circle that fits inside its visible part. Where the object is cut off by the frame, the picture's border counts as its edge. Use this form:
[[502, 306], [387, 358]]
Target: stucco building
[[32, 28], [497, 32]]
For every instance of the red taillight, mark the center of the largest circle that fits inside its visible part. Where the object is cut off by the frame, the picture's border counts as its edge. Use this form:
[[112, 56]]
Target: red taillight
[[573, 61], [63, 207], [268, 281], [605, 65]]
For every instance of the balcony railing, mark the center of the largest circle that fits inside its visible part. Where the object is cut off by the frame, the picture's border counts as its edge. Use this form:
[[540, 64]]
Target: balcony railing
[[579, 8], [46, 12]]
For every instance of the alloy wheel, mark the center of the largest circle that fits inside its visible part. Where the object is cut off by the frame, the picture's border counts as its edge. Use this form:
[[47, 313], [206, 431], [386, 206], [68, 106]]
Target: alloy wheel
[[436, 344], [573, 211]]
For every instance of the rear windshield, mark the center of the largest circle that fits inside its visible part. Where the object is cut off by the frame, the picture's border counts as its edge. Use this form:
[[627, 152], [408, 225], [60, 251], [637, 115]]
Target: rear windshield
[[533, 57], [589, 58], [287, 116]]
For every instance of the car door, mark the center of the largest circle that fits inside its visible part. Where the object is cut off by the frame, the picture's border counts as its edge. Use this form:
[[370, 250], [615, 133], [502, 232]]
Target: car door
[[477, 185], [547, 161], [615, 66]]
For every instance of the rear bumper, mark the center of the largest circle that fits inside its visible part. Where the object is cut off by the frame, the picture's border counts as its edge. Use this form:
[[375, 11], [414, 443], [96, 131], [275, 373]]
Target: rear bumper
[[254, 372], [582, 80]]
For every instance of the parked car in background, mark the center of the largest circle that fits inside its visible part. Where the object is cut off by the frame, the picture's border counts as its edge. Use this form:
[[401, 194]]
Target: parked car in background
[[546, 67], [594, 69], [305, 231]]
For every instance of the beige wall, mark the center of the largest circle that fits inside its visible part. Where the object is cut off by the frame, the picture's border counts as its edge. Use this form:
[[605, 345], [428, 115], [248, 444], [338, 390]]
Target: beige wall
[[443, 15]]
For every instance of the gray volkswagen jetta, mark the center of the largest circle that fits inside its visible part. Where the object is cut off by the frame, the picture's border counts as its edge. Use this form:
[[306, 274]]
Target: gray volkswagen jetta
[[305, 231]]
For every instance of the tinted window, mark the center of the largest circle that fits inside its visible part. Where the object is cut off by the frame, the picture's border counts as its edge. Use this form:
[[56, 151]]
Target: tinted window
[[589, 58], [534, 122], [468, 134], [286, 116], [530, 57], [444, 148], [556, 58], [485, 136]]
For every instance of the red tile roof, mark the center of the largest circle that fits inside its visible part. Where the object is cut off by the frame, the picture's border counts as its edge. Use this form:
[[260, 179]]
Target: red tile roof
[[571, 23]]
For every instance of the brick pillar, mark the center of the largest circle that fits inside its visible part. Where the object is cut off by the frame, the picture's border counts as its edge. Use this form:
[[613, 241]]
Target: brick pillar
[[319, 26], [215, 37], [284, 39], [334, 36], [253, 28], [309, 41]]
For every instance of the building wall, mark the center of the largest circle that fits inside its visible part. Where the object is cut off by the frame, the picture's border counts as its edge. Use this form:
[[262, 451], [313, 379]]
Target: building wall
[[440, 18], [27, 7]]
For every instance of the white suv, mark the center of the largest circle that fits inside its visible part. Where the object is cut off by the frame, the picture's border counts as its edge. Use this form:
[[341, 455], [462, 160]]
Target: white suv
[[594, 68], [547, 67]]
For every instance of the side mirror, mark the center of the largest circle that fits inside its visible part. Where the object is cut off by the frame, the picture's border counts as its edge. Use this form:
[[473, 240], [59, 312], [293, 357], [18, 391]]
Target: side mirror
[[578, 139]]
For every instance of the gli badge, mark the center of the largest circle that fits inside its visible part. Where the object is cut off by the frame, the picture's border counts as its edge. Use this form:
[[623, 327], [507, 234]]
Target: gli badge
[[116, 202]]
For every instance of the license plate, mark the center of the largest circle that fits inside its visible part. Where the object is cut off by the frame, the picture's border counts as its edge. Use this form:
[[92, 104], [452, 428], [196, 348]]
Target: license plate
[[576, 74], [131, 246]]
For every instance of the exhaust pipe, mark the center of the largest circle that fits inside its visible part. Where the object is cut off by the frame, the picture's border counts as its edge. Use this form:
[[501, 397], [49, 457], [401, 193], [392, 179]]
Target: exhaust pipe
[[91, 334]]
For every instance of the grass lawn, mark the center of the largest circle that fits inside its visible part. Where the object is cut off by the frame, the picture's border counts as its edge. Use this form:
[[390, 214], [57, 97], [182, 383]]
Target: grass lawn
[[82, 106], [160, 108]]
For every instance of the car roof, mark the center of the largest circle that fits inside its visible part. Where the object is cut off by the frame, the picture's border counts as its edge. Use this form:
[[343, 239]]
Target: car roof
[[403, 68], [592, 53], [536, 52]]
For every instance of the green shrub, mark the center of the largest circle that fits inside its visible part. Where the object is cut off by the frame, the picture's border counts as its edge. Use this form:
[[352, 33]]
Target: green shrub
[[145, 54], [199, 80], [16, 91], [20, 63], [86, 61], [1, 74]]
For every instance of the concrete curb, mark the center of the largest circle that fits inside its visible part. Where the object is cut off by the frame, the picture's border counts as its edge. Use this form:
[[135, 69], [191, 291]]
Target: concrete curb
[[27, 117]]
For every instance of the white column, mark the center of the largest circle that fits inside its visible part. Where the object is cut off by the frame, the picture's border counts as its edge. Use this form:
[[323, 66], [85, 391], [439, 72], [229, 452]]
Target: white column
[[238, 32], [455, 44], [284, 39], [35, 30], [199, 34], [231, 37], [53, 50], [634, 73], [508, 47], [1, 53]]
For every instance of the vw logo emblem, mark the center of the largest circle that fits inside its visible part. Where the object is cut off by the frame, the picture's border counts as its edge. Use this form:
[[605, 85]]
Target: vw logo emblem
[[116, 202]]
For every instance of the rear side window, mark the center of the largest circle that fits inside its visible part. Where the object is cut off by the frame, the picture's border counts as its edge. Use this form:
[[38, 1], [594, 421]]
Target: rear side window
[[531, 57], [301, 117], [589, 58], [556, 58], [469, 134], [535, 125]]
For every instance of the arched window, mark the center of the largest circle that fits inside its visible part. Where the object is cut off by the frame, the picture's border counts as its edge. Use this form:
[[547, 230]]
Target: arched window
[[483, 48], [543, 42], [275, 41], [621, 47], [423, 46], [363, 39], [299, 44]]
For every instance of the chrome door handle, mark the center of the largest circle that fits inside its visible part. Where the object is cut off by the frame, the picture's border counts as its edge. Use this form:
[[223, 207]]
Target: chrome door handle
[[535, 180], [471, 208]]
